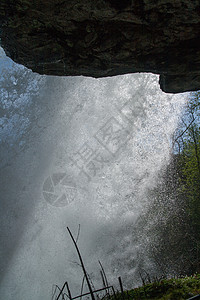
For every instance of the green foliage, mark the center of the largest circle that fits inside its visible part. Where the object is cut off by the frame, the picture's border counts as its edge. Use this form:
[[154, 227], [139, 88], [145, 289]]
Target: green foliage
[[190, 169], [175, 211], [173, 289], [191, 173]]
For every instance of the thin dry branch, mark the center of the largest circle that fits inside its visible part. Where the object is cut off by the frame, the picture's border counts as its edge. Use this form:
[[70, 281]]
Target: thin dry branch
[[82, 264]]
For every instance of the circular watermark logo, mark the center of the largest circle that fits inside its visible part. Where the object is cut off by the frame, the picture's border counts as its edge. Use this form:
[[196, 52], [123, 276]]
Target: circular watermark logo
[[59, 189]]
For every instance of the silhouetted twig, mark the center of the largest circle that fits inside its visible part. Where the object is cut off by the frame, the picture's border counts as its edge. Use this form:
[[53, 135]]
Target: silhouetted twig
[[94, 292], [82, 264], [61, 291], [102, 277], [106, 281], [121, 287], [143, 282], [82, 285], [79, 228]]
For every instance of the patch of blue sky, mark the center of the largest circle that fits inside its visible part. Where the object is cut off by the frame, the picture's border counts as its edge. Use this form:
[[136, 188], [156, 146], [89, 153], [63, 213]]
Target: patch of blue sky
[[18, 89], [5, 62], [12, 128]]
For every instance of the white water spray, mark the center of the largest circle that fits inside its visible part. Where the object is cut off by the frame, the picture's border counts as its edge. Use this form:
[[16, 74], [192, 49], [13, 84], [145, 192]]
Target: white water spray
[[75, 151]]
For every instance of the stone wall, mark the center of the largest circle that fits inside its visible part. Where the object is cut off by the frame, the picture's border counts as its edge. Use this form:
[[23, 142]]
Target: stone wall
[[102, 38]]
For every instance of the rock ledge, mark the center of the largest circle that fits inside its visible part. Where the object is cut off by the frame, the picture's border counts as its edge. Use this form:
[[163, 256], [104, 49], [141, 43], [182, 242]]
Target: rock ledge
[[100, 38]]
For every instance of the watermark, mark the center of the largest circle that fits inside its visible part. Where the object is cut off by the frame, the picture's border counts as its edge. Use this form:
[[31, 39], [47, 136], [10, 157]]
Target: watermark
[[59, 189], [110, 139]]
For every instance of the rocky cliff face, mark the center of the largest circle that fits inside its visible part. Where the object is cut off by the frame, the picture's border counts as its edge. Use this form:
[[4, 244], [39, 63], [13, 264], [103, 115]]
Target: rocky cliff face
[[102, 38]]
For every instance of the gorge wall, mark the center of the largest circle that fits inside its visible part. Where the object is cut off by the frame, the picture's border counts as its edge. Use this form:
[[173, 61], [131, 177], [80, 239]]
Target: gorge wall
[[101, 38]]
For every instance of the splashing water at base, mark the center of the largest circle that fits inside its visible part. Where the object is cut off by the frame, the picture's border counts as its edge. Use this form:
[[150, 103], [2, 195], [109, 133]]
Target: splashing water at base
[[79, 151]]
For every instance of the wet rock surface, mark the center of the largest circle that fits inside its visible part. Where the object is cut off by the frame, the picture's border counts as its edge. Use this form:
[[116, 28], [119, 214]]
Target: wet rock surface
[[101, 38]]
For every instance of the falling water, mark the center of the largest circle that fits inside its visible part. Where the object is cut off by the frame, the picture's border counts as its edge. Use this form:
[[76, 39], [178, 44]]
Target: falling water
[[78, 150]]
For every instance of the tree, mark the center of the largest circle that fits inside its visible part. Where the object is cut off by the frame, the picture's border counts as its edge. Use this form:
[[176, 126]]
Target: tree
[[176, 207], [190, 171]]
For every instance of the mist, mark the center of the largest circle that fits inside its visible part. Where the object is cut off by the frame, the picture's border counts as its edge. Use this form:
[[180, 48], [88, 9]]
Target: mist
[[77, 150]]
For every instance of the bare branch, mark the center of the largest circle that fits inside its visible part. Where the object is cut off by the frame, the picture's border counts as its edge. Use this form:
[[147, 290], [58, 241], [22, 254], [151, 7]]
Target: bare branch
[[184, 130], [79, 228], [82, 264]]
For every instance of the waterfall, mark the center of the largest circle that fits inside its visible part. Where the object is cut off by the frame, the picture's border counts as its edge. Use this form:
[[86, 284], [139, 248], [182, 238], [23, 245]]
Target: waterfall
[[77, 150]]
